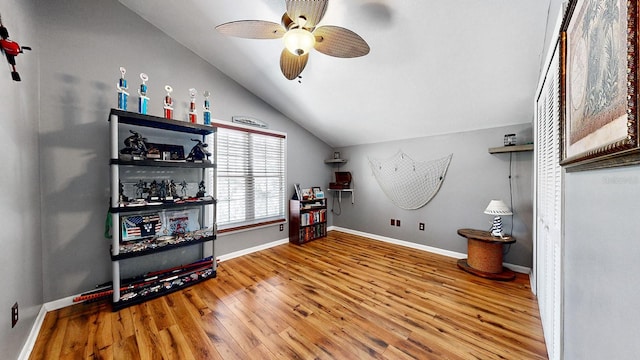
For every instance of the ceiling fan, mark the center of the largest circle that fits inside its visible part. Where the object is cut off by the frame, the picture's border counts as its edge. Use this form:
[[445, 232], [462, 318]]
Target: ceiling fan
[[300, 34]]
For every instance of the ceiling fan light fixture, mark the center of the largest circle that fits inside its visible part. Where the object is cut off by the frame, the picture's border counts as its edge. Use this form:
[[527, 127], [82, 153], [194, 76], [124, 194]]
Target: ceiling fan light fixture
[[299, 41]]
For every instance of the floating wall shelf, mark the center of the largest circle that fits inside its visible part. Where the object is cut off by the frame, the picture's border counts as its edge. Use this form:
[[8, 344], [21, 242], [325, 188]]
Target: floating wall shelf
[[513, 148]]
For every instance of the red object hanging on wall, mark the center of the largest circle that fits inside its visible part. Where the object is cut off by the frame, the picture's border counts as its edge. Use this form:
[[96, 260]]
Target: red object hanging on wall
[[11, 49]]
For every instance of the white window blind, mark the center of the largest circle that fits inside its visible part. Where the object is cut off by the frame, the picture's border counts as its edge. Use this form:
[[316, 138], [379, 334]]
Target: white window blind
[[250, 177]]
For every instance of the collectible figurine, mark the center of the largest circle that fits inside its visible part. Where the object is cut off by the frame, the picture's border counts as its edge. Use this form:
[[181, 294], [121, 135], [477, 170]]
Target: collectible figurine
[[168, 103], [122, 90], [153, 190], [123, 198], [183, 188], [11, 49], [143, 102], [162, 190], [141, 188], [201, 192], [198, 152], [172, 189], [193, 115], [206, 113], [135, 146]]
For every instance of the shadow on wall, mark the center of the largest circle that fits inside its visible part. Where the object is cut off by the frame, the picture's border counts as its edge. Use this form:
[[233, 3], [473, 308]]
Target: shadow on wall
[[75, 183]]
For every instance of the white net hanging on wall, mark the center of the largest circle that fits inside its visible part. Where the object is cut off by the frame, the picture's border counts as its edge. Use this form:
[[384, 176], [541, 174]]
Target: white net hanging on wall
[[407, 183]]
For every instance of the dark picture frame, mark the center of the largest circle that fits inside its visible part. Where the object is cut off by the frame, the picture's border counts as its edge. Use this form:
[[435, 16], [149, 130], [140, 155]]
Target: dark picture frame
[[298, 192], [599, 85]]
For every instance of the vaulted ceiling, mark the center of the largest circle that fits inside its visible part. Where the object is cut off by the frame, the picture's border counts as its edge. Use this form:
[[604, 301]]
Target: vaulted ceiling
[[434, 67]]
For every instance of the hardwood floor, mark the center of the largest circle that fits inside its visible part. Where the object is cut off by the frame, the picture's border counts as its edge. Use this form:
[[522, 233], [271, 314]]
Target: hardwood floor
[[341, 297]]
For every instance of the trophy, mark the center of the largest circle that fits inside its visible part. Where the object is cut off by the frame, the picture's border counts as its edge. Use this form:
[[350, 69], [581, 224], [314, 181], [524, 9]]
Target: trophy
[[193, 115], [122, 90], [143, 102], [168, 103], [206, 113]]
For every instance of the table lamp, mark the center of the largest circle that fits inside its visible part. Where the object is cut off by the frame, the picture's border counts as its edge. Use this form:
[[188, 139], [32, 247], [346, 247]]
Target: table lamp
[[497, 208]]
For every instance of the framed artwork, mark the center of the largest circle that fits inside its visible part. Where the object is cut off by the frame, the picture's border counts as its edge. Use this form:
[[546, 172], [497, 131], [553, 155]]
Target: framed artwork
[[298, 192], [598, 85]]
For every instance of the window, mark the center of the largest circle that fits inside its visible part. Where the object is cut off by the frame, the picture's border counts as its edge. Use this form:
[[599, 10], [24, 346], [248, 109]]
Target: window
[[251, 177]]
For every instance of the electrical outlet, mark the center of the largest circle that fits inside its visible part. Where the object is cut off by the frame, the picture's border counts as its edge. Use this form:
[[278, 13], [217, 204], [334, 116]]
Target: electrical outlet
[[14, 314], [393, 222], [398, 222], [421, 226], [281, 227]]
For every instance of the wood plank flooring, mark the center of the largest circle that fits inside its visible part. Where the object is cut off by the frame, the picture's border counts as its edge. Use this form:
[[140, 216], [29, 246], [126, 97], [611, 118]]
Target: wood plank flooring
[[341, 297]]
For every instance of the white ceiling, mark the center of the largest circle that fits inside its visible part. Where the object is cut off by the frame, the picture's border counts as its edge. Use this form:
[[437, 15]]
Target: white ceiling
[[435, 67]]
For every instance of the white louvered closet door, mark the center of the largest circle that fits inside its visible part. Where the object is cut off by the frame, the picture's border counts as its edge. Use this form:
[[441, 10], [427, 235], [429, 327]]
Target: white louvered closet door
[[548, 208]]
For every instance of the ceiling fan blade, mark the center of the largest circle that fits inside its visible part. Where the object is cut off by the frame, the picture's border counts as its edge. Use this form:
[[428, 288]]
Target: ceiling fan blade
[[312, 10], [292, 65], [340, 42], [252, 29]]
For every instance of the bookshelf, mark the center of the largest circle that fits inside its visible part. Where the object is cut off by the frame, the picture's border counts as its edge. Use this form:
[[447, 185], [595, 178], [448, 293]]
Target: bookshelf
[[307, 220]]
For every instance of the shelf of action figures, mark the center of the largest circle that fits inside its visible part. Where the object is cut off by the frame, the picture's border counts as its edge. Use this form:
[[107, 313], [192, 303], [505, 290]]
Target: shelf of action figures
[[158, 244], [164, 163], [159, 205], [131, 118]]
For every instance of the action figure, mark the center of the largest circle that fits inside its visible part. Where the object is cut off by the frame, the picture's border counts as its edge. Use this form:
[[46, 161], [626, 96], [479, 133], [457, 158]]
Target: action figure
[[201, 190], [123, 95], [153, 190], [141, 189], [183, 188], [135, 145], [162, 191], [11, 49], [123, 198], [198, 152], [173, 193]]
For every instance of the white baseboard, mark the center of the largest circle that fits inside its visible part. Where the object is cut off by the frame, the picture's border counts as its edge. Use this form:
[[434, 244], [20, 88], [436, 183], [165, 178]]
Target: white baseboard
[[250, 250], [431, 249]]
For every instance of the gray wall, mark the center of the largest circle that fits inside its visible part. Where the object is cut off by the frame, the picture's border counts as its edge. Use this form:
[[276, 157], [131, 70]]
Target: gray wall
[[474, 178], [82, 45], [21, 254], [601, 251]]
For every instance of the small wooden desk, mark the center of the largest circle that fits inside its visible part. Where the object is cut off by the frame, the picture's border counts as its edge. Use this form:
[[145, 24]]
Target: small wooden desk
[[484, 253]]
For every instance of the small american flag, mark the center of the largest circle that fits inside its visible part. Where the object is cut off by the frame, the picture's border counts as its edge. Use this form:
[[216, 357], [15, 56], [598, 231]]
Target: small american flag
[[139, 226]]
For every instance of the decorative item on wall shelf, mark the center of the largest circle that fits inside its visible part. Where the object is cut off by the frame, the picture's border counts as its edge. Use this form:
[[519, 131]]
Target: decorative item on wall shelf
[[509, 139], [599, 85], [407, 183], [168, 103], [122, 90], [193, 115], [135, 147], [206, 112], [297, 192], [336, 155], [199, 152], [246, 120], [143, 101]]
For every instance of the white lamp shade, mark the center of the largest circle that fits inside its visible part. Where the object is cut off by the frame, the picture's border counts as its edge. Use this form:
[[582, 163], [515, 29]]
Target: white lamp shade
[[498, 208], [299, 41]]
